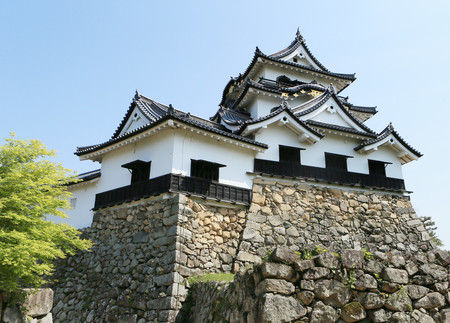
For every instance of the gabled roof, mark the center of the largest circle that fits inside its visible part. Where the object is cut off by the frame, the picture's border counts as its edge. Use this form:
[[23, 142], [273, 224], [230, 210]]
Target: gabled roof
[[230, 117], [277, 58], [157, 113], [314, 104], [298, 41], [277, 111], [250, 84], [391, 137]]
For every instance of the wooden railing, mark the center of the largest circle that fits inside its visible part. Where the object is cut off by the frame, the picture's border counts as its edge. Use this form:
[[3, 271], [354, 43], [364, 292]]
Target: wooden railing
[[173, 183], [327, 175]]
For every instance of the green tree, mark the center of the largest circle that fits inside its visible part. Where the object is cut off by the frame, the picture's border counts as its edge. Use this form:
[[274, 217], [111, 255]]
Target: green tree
[[430, 226], [32, 188]]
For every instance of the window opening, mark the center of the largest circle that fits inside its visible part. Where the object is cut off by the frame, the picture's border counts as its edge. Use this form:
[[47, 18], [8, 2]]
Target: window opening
[[140, 170], [335, 161], [289, 154], [377, 167], [205, 169]]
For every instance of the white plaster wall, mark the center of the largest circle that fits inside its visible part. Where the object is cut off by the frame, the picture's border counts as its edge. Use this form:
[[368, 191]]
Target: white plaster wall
[[314, 155], [263, 103], [81, 215], [238, 160], [272, 72], [156, 148]]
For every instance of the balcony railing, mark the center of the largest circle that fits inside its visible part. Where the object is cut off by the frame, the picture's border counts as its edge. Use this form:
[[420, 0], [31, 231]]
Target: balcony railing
[[290, 169], [173, 183]]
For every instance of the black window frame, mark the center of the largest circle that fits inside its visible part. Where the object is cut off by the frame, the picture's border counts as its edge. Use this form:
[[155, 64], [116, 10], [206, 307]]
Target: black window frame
[[336, 161], [139, 169], [290, 154], [205, 169], [377, 167]]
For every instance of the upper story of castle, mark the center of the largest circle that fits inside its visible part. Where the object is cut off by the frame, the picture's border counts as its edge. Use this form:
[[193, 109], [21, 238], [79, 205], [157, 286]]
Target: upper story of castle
[[283, 116]]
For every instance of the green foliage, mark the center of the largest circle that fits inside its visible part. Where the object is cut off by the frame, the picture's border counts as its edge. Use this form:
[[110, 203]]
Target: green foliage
[[367, 254], [351, 279], [266, 257], [211, 277], [430, 226], [31, 188]]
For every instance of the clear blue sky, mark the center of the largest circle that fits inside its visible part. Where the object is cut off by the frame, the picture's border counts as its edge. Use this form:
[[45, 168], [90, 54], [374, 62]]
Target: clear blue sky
[[69, 69]]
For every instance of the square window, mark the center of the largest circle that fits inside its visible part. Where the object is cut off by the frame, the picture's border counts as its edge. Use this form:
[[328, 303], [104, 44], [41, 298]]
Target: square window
[[289, 154], [377, 168], [140, 170], [205, 169], [334, 161]]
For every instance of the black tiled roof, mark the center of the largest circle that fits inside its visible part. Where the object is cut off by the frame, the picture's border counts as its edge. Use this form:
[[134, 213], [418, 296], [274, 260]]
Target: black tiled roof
[[389, 130], [249, 83], [259, 54], [84, 177], [158, 113], [299, 40], [314, 123], [276, 111], [314, 104], [232, 117]]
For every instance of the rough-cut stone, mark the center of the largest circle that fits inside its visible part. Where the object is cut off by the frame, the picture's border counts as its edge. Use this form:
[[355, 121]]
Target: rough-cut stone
[[39, 302], [378, 316], [372, 301], [430, 300], [327, 259], [421, 317], [416, 291], [399, 317], [11, 314], [353, 312], [306, 296], [303, 265], [332, 292], [352, 259], [323, 314], [284, 255], [280, 271], [366, 281], [276, 308], [316, 273], [394, 275], [271, 285], [399, 301], [438, 273], [443, 257]]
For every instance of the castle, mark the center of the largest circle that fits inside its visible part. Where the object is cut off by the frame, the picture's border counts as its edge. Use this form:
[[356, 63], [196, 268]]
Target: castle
[[283, 116], [285, 161]]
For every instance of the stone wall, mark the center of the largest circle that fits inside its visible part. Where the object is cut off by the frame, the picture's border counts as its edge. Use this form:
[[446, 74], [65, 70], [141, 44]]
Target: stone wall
[[350, 286], [144, 251], [29, 306], [131, 273], [300, 215]]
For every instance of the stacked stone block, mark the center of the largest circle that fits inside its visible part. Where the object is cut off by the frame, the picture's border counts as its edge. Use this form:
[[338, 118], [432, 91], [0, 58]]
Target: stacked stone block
[[349, 286]]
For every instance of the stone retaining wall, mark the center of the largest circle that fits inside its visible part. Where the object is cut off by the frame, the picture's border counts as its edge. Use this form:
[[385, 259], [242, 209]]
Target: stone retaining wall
[[34, 309], [131, 273], [350, 286], [144, 251]]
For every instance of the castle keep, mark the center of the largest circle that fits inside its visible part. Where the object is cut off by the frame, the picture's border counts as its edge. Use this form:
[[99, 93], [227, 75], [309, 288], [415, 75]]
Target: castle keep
[[285, 161]]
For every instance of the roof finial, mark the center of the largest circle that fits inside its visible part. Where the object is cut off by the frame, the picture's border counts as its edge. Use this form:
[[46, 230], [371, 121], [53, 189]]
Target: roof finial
[[171, 110], [284, 103], [332, 89], [298, 36], [137, 95], [257, 50]]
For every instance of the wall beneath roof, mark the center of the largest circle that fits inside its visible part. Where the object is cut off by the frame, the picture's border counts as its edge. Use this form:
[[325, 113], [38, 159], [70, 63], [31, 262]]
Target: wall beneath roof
[[314, 154]]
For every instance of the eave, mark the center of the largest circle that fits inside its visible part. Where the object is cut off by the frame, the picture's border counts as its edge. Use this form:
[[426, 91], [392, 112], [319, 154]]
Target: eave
[[96, 152]]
